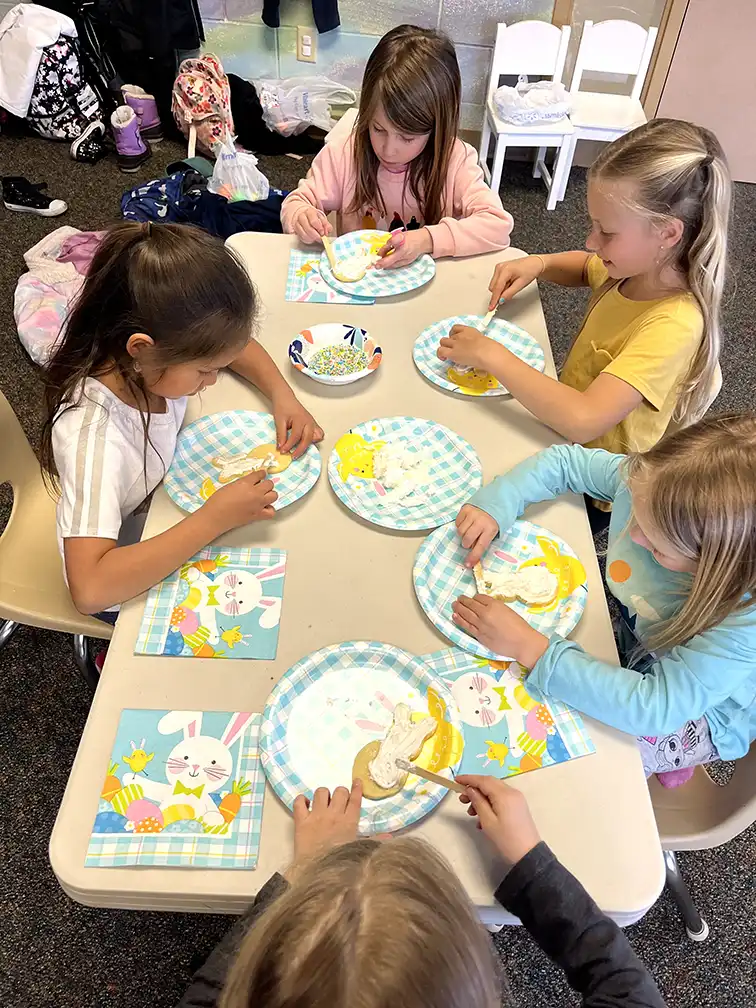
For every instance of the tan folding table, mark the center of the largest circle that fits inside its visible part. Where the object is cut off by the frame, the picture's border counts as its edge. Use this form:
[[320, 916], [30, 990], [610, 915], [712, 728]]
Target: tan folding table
[[594, 812]]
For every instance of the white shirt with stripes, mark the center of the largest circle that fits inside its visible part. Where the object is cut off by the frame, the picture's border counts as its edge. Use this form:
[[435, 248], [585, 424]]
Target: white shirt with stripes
[[105, 473]]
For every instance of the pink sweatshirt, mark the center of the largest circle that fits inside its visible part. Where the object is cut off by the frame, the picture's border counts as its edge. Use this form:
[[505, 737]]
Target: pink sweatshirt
[[474, 219]]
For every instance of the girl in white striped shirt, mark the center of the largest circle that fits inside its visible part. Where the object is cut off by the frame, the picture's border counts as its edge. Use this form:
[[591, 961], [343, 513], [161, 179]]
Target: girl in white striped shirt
[[163, 308]]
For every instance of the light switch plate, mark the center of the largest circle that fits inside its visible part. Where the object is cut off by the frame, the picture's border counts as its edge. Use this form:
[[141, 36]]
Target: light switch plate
[[307, 46]]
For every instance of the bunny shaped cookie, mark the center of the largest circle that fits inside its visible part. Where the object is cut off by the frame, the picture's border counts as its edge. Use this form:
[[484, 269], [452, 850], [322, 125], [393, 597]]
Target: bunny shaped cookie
[[196, 766]]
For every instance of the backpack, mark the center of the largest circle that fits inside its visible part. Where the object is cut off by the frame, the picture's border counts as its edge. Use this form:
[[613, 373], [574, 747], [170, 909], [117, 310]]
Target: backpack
[[62, 103], [201, 103]]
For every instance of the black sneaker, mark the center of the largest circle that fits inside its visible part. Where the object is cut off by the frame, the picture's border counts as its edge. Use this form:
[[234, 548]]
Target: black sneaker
[[26, 197], [90, 146]]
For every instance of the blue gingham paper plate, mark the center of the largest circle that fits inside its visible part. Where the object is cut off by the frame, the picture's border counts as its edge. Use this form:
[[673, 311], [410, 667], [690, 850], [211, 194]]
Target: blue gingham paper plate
[[440, 577], [336, 700], [510, 726], [192, 476], [376, 282], [145, 818], [454, 473], [521, 343]]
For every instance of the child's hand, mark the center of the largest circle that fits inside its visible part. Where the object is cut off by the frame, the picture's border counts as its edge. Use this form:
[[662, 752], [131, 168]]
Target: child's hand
[[499, 628], [477, 530], [329, 820], [310, 225], [512, 276], [296, 428], [405, 247], [466, 346], [247, 499], [503, 815]]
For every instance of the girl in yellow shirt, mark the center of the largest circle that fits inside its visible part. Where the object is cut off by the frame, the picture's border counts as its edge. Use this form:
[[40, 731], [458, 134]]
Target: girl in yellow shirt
[[646, 357]]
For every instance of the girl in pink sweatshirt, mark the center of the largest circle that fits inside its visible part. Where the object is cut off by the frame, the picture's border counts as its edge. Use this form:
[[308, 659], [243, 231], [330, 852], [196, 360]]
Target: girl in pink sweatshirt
[[403, 164]]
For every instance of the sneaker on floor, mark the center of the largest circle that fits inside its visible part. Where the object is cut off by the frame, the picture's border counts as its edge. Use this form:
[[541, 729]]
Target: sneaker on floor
[[27, 197], [132, 150], [145, 109], [90, 147]]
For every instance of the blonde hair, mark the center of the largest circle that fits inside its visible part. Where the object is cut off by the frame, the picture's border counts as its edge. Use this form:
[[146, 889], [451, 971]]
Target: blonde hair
[[368, 925], [414, 75], [681, 172], [700, 490]]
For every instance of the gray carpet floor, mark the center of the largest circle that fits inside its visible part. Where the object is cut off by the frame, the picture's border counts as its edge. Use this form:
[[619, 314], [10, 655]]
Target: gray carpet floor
[[57, 954]]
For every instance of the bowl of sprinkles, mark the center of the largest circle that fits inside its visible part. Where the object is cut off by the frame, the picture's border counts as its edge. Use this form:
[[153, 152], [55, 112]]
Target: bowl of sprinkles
[[334, 353]]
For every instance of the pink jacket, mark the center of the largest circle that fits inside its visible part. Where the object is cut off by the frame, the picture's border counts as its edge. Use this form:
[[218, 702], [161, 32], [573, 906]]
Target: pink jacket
[[474, 220]]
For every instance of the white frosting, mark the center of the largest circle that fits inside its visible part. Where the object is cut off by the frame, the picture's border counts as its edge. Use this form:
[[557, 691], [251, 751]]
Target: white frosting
[[354, 267], [403, 739], [400, 471], [537, 585], [233, 465], [533, 585]]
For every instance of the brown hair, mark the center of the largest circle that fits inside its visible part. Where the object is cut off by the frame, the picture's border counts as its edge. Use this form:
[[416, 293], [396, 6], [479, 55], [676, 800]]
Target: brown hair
[[174, 282], [701, 495], [681, 172], [369, 924], [414, 75]]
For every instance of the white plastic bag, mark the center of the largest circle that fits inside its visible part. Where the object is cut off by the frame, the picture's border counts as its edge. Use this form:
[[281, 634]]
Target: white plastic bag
[[528, 104], [291, 105], [236, 175]]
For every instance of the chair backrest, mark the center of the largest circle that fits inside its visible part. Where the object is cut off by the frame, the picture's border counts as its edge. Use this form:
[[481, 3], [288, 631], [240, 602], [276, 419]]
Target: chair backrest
[[18, 463], [616, 47], [32, 588], [701, 814], [535, 48]]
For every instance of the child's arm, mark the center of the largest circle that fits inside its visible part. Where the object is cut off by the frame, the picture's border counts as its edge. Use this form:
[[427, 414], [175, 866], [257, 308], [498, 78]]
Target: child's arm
[[304, 210], [557, 911], [568, 269], [102, 574], [480, 223], [680, 686], [296, 429], [578, 416], [541, 477]]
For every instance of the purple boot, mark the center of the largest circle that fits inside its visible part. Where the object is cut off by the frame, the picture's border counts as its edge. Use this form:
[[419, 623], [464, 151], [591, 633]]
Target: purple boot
[[145, 107], [132, 150]]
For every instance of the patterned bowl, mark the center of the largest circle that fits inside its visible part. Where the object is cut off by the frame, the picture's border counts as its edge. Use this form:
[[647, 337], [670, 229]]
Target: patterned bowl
[[336, 335]]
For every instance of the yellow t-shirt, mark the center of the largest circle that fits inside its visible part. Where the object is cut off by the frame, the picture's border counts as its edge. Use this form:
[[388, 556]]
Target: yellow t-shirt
[[648, 344]]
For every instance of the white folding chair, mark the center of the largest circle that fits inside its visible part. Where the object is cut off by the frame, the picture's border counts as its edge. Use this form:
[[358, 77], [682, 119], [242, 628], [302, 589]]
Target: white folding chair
[[614, 47], [536, 49]]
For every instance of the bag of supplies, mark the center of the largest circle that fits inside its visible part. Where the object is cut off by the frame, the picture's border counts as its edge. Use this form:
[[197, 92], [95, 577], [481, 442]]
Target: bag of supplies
[[291, 105], [529, 104], [236, 175]]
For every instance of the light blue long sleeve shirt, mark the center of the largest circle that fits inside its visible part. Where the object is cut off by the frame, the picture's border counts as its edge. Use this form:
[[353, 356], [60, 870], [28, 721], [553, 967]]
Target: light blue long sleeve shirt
[[713, 675]]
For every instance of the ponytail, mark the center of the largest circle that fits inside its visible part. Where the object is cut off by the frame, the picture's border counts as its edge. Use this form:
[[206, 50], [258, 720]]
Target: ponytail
[[681, 172]]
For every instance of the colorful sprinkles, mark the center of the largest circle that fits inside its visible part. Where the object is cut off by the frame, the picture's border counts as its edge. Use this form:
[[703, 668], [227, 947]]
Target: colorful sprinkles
[[338, 360]]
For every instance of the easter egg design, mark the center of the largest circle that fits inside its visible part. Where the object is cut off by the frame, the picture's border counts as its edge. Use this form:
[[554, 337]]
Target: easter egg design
[[109, 822], [123, 798], [175, 813], [143, 808], [183, 826], [150, 824]]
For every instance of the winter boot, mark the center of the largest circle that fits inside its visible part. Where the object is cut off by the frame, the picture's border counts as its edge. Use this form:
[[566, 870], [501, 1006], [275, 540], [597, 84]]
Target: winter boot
[[145, 108], [26, 197], [90, 146], [132, 150]]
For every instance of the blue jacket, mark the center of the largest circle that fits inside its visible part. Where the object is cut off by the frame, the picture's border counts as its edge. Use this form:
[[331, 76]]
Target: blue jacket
[[712, 675]]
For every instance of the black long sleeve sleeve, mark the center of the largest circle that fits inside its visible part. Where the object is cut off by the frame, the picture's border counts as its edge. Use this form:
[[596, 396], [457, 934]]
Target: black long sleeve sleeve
[[207, 983], [563, 919]]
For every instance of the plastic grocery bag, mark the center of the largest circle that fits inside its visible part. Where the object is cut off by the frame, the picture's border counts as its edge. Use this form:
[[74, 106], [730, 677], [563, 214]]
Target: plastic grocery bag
[[526, 104], [236, 175], [291, 105]]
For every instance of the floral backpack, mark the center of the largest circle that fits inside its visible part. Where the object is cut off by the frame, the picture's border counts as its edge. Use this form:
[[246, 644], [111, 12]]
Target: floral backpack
[[201, 103]]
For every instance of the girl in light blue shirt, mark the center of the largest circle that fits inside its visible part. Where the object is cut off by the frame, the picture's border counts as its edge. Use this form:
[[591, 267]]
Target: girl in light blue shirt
[[682, 564]]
